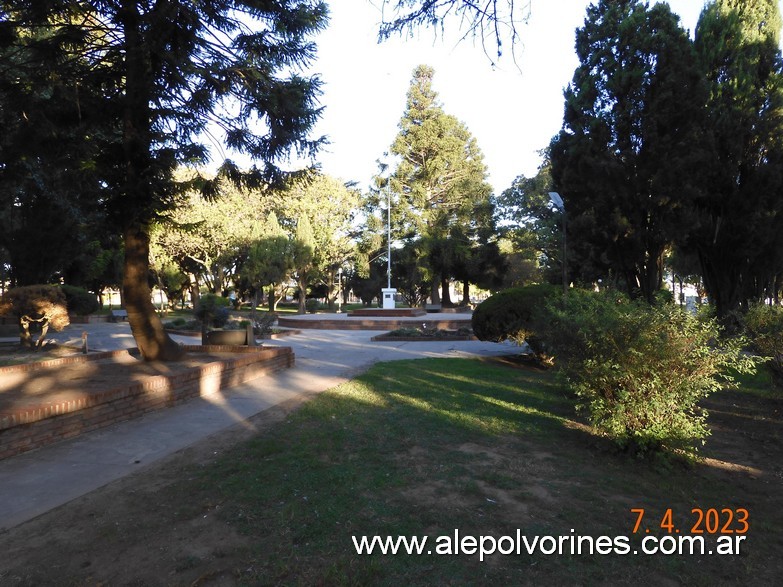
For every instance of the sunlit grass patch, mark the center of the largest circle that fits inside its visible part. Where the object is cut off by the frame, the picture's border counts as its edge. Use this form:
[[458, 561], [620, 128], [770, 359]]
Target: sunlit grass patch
[[425, 447]]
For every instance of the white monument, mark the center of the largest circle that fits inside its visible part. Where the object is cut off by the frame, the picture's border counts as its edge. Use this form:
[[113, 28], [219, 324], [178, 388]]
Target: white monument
[[388, 298]]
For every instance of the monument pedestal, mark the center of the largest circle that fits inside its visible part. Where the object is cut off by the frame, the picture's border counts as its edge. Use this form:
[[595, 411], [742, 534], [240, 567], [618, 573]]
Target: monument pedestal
[[388, 294]]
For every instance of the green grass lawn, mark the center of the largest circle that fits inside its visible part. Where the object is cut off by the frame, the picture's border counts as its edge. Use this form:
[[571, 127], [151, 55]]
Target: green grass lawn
[[427, 447], [430, 447]]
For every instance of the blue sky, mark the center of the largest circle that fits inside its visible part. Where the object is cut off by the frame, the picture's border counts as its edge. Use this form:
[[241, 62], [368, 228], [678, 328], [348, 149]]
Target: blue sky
[[512, 111]]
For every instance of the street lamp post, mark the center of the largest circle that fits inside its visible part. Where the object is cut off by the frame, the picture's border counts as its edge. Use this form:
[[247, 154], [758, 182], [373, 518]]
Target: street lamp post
[[555, 198]]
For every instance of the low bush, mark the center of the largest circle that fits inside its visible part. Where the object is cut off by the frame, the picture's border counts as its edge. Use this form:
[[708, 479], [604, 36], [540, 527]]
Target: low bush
[[406, 332], [79, 301], [764, 328], [511, 312], [212, 310], [639, 370]]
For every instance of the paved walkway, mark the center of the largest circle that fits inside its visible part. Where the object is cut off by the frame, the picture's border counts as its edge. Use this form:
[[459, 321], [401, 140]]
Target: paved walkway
[[36, 482]]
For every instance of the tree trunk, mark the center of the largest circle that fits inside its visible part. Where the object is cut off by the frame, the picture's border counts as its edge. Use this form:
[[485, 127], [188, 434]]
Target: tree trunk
[[153, 341], [194, 289], [434, 293], [253, 312], [466, 293], [446, 293], [302, 295], [138, 197], [722, 282]]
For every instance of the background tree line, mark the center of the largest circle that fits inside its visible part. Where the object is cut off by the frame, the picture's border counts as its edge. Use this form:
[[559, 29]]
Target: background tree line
[[670, 150]]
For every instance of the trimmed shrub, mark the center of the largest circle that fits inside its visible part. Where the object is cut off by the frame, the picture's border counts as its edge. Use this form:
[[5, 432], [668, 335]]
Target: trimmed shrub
[[406, 332], [80, 301], [764, 328], [212, 310], [639, 370], [38, 308], [312, 305], [509, 312]]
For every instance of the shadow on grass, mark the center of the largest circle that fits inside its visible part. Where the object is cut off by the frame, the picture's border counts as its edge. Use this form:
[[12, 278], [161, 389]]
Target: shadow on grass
[[428, 446]]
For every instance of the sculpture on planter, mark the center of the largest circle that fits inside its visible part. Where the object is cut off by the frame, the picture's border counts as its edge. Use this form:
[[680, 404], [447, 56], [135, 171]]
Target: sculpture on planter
[[41, 305]]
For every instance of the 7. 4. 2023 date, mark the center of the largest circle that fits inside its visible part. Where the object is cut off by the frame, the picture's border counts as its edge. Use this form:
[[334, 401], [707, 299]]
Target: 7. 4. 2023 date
[[702, 521]]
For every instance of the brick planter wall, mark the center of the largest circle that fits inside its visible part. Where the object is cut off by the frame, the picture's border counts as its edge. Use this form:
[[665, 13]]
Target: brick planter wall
[[27, 428], [397, 312], [447, 338], [369, 323]]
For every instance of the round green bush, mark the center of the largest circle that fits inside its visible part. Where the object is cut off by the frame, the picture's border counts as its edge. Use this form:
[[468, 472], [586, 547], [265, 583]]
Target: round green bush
[[79, 301], [641, 371], [508, 312], [213, 310]]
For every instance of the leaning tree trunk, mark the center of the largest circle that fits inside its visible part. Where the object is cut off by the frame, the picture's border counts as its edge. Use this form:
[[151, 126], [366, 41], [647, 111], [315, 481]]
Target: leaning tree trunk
[[139, 199], [153, 341]]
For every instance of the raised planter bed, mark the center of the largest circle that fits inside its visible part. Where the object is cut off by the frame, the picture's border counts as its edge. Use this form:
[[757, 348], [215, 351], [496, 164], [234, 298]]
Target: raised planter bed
[[66, 404], [423, 338], [229, 337], [321, 322], [390, 313]]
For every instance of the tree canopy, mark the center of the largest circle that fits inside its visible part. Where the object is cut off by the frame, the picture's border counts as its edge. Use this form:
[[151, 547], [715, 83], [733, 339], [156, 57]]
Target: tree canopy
[[492, 23], [631, 141], [439, 184], [739, 214], [165, 73]]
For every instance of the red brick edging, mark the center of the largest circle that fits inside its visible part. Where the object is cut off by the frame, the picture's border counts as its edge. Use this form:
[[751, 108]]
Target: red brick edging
[[448, 338], [369, 323], [32, 427]]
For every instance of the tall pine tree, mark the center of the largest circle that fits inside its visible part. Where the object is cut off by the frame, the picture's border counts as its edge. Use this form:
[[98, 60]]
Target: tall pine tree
[[738, 231], [624, 161], [440, 181], [168, 70]]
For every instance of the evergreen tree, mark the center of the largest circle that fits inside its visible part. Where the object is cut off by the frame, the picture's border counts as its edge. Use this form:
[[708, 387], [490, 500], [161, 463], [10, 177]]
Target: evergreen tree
[[48, 147], [625, 161], [166, 71], [738, 232], [440, 180]]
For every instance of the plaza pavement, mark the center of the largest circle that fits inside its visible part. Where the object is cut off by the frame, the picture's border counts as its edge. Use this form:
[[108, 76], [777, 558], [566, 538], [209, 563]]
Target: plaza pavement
[[38, 481]]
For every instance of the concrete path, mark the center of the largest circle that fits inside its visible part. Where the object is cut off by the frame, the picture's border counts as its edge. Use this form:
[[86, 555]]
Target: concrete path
[[36, 482]]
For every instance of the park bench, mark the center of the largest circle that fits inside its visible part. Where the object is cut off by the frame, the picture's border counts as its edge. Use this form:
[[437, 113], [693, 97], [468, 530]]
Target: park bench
[[117, 315]]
